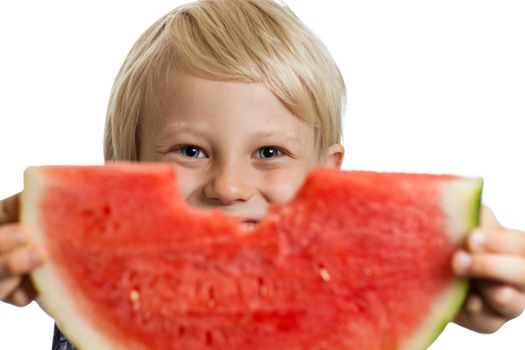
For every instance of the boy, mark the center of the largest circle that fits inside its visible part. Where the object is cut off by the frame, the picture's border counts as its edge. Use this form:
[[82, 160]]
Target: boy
[[244, 100]]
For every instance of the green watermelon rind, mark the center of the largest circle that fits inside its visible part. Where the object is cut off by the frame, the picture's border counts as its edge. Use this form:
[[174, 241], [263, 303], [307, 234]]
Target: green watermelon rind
[[470, 191]]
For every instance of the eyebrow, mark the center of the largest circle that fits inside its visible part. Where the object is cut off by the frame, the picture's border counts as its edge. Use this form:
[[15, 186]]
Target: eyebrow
[[170, 130], [166, 134], [289, 138]]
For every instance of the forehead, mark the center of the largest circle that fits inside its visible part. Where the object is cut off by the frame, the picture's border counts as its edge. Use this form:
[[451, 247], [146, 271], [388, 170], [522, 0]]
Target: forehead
[[185, 92], [185, 101]]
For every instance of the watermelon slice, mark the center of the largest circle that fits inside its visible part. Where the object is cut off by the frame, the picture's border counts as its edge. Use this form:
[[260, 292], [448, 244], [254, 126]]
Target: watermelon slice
[[358, 260]]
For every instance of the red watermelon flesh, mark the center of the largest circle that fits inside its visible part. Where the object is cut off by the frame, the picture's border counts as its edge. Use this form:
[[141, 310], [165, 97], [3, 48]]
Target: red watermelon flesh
[[358, 260]]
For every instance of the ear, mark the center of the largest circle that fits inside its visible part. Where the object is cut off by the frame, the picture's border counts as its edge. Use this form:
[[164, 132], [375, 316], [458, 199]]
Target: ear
[[334, 156]]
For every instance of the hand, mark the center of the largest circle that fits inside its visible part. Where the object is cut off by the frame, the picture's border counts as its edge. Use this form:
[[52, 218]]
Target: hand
[[494, 257], [17, 256]]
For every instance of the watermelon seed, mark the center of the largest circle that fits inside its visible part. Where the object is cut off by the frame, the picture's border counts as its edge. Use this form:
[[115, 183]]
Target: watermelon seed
[[134, 296], [323, 272]]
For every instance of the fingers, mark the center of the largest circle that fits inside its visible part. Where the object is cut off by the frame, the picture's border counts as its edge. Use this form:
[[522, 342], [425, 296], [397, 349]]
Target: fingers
[[508, 269], [19, 262], [17, 290], [495, 258], [24, 294], [504, 300], [493, 254], [17, 257], [502, 241], [11, 237], [9, 208], [478, 316], [8, 286]]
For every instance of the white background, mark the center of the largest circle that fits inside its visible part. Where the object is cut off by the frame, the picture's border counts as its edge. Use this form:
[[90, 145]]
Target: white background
[[434, 86]]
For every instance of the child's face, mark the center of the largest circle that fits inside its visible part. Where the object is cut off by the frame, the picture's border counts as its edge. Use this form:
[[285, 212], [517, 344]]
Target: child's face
[[235, 145]]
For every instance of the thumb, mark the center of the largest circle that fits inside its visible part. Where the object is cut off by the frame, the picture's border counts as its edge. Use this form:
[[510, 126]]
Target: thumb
[[9, 208], [488, 219]]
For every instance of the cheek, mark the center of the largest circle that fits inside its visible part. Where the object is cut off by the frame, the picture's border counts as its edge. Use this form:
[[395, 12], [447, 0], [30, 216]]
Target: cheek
[[281, 186], [187, 182]]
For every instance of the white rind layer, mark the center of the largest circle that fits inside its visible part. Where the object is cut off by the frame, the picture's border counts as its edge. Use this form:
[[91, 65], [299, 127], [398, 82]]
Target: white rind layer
[[53, 299], [460, 202]]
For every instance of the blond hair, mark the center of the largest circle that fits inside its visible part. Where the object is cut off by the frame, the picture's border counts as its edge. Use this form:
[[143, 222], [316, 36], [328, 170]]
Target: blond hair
[[259, 41]]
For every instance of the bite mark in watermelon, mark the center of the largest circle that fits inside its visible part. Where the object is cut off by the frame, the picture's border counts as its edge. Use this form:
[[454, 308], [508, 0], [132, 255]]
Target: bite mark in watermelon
[[357, 260]]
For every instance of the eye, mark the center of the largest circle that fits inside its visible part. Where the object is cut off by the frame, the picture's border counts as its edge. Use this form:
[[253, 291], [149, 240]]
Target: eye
[[191, 151], [268, 152]]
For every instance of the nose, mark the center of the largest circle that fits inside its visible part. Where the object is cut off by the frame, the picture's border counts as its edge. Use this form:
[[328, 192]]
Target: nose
[[228, 185]]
